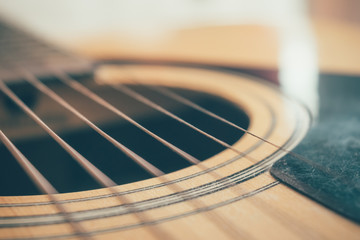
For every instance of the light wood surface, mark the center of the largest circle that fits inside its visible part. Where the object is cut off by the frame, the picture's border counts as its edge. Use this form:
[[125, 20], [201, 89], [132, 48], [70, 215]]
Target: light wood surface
[[240, 211]]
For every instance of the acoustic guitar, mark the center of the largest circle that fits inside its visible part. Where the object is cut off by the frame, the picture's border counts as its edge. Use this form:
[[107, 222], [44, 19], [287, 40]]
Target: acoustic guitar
[[163, 150]]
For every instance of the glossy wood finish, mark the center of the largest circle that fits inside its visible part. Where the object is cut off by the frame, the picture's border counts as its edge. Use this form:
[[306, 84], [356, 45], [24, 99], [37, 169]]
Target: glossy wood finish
[[203, 204]]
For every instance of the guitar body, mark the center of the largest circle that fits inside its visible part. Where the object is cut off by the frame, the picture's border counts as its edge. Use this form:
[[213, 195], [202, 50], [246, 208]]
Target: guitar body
[[229, 195]]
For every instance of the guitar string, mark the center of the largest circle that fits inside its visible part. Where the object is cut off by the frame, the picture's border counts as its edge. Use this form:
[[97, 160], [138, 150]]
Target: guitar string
[[167, 92], [77, 86], [124, 89], [88, 93], [85, 91], [135, 157], [185, 101], [145, 100], [172, 95], [43, 185], [32, 79], [83, 162]]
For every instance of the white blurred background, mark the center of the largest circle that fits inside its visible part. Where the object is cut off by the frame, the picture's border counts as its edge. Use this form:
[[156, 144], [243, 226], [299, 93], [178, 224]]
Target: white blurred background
[[58, 20], [146, 21]]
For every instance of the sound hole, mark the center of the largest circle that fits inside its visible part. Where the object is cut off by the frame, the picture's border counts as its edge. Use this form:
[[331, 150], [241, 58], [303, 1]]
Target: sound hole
[[67, 176]]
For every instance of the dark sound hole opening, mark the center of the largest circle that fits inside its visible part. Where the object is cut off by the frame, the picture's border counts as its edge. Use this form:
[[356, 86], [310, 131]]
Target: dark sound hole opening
[[67, 176]]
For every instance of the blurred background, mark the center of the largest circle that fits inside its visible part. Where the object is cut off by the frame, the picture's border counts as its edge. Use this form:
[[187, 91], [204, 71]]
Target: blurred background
[[140, 28], [297, 37], [83, 17]]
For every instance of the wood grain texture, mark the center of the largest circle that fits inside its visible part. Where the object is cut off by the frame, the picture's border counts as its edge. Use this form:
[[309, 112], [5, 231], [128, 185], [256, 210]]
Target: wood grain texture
[[238, 199]]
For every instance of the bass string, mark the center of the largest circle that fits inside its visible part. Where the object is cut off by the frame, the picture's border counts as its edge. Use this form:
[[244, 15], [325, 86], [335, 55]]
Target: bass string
[[85, 91], [43, 185], [96, 173]]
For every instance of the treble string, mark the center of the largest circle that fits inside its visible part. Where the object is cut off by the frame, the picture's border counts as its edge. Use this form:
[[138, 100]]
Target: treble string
[[43, 185]]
